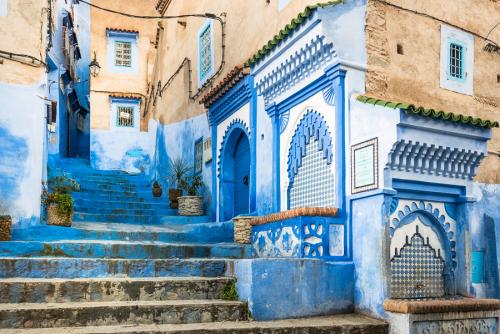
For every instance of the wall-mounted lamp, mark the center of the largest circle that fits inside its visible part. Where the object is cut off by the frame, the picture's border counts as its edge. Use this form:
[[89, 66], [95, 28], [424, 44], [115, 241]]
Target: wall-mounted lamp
[[94, 67]]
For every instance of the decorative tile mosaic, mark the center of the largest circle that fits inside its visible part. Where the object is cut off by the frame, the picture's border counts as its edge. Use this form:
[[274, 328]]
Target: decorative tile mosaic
[[458, 326], [417, 271], [314, 184], [303, 237]]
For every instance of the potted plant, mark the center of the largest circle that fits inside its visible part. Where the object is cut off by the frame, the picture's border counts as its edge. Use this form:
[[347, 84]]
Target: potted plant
[[192, 203], [157, 191], [178, 169], [59, 203]]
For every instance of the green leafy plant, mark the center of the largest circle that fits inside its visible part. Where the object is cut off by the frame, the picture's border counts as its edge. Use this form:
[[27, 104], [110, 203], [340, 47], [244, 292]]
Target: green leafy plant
[[178, 169], [61, 187], [230, 292], [192, 183]]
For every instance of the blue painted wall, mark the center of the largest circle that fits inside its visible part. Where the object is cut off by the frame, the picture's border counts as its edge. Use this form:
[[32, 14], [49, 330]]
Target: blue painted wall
[[289, 288], [484, 222], [177, 140], [22, 147]]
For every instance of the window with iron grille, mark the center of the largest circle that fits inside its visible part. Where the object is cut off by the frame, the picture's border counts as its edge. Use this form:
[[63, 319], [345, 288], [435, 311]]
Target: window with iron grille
[[123, 54], [198, 156], [205, 52], [456, 61], [125, 116]]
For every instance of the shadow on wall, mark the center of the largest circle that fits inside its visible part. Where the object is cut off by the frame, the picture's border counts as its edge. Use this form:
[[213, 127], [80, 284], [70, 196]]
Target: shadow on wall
[[14, 151]]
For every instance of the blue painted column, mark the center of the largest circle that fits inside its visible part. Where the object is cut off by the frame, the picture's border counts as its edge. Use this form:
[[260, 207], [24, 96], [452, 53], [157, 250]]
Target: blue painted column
[[272, 111], [337, 76], [253, 145], [214, 173]]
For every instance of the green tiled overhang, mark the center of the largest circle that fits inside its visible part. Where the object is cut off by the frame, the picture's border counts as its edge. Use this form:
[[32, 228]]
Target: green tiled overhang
[[287, 30], [438, 114]]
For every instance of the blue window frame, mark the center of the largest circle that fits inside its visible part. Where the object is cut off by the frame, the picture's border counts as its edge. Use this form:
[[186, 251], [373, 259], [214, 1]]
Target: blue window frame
[[205, 52], [198, 156], [456, 61]]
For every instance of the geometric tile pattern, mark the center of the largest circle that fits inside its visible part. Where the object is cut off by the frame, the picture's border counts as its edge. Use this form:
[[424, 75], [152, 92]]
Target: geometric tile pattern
[[417, 271], [301, 237], [457, 326], [314, 182], [400, 209]]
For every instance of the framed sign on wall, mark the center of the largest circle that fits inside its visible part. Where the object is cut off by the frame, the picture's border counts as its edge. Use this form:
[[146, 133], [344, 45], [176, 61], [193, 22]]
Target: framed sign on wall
[[364, 166]]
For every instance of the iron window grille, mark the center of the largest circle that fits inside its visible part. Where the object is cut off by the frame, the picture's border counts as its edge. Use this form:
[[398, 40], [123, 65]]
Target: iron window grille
[[456, 61], [125, 116], [205, 52], [123, 54], [198, 156]]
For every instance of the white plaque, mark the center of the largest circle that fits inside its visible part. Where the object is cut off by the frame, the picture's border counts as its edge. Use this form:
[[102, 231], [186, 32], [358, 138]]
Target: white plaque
[[364, 166]]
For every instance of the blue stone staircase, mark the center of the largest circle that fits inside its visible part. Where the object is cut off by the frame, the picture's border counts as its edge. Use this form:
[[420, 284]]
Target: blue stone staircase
[[130, 264]]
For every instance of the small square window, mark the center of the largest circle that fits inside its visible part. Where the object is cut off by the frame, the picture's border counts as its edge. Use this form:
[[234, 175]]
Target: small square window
[[198, 156], [456, 61], [123, 54], [125, 116]]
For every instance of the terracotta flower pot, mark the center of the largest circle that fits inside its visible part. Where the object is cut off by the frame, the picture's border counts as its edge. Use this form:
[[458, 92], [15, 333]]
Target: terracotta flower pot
[[173, 195], [54, 218], [191, 206], [157, 191], [5, 228]]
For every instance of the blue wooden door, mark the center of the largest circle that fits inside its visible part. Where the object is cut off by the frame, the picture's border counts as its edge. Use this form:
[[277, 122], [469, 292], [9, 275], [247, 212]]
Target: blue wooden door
[[241, 176]]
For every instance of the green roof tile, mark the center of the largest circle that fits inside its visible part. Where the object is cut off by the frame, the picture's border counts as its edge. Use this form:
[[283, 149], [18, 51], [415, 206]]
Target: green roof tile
[[287, 30], [437, 114]]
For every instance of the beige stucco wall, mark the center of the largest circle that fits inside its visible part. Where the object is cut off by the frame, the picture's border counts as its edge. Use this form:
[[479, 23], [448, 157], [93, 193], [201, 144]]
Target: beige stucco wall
[[120, 83], [249, 25], [20, 33], [414, 76]]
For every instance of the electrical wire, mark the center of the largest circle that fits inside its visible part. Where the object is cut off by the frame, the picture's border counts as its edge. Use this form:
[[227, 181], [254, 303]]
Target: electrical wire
[[186, 60], [440, 20], [10, 56]]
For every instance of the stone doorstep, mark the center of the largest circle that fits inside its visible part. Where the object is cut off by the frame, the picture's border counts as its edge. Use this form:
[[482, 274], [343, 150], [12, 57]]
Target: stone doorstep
[[17, 290], [336, 324], [49, 315], [441, 305]]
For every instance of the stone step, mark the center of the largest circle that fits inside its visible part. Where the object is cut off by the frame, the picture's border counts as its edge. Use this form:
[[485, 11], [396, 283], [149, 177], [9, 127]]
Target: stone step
[[206, 232], [117, 249], [115, 218], [118, 187], [17, 290], [336, 324], [59, 267], [48, 315], [124, 210], [154, 205], [139, 219]]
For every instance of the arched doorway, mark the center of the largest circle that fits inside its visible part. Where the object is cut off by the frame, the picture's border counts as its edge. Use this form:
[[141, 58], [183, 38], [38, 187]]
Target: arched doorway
[[235, 175]]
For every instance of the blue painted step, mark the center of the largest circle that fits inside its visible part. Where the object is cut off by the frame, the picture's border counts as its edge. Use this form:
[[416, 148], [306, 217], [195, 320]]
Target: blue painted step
[[209, 233], [86, 202], [138, 219], [124, 210], [51, 267], [120, 249]]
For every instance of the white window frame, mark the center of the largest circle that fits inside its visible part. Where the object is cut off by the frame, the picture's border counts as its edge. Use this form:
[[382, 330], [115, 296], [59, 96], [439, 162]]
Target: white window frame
[[127, 103], [202, 79], [450, 35], [123, 43], [282, 4], [3, 7], [117, 36]]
